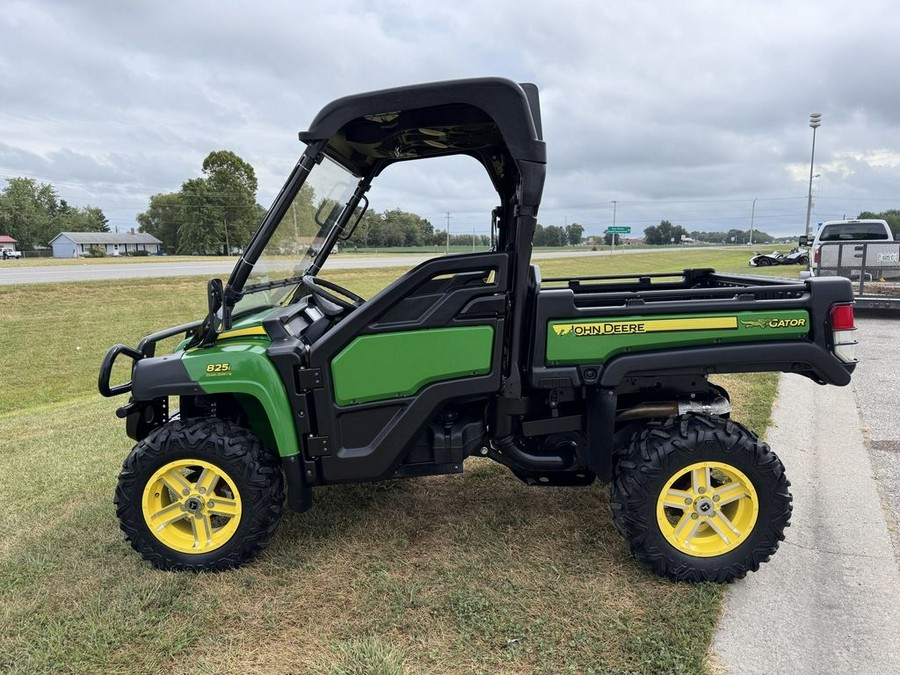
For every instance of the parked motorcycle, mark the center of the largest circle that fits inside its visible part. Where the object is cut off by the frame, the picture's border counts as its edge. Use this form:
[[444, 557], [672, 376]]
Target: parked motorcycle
[[797, 256]]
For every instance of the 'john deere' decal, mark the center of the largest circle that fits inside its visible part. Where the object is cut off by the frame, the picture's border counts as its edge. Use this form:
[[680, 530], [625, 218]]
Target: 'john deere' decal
[[647, 326], [601, 338]]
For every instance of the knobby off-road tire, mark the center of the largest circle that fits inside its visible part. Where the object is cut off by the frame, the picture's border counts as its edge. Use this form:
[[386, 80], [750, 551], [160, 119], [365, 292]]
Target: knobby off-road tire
[[700, 498], [210, 490]]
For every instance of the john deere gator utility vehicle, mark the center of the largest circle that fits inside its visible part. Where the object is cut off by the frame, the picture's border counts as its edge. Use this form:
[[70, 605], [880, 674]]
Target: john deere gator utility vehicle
[[292, 382]]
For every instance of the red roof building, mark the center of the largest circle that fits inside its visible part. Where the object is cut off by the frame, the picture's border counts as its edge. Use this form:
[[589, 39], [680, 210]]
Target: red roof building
[[7, 240]]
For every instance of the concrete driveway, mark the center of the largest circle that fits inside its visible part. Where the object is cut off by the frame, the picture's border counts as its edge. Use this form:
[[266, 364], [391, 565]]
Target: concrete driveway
[[829, 600]]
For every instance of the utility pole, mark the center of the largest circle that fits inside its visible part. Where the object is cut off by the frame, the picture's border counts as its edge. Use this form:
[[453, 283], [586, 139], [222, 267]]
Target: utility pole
[[448, 234], [752, 213], [227, 247]]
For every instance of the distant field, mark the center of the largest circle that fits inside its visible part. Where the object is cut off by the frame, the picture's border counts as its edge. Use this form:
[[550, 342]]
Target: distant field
[[475, 573]]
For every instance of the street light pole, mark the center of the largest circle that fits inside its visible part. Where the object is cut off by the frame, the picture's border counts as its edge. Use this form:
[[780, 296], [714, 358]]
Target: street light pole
[[752, 213], [815, 120]]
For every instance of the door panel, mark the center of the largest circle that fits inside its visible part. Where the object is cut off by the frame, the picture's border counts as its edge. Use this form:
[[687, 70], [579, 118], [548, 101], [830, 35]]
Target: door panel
[[433, 336], [393, 365]]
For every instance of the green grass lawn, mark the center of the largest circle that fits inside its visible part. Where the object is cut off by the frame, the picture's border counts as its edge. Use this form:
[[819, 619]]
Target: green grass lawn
[[471, 573]]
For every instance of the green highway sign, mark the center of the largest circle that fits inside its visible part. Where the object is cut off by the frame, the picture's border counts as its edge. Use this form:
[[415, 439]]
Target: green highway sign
[[619, 229]]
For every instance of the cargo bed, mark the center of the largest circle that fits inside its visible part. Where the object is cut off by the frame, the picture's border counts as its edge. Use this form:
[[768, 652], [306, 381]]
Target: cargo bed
[[600, 329]]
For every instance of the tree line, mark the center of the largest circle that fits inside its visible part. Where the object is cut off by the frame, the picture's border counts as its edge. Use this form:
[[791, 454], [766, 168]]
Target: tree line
[[218, 212], [666, 234], [33, 213], [398, 228]]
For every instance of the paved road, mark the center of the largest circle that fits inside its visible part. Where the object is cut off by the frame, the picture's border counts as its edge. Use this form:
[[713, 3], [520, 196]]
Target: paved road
[[17, 273], [829, 600], [876, 384]]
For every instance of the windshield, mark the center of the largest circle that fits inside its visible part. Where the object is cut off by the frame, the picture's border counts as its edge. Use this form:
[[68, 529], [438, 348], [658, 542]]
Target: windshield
[[853, 232], [299, 235]]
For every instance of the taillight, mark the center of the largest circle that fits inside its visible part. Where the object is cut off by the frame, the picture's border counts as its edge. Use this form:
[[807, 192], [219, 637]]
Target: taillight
[[842, 317], [843, 329], [816, 256]]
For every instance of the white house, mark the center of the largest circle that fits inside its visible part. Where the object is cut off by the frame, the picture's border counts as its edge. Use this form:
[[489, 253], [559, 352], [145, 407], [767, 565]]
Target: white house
[[75, 244]]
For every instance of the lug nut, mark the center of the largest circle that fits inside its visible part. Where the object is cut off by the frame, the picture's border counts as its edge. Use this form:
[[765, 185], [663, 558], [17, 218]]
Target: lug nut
[[701, 490], [716, 498], [210, 504], [185, 492], [202, 490], [694, 516], [687, 500]]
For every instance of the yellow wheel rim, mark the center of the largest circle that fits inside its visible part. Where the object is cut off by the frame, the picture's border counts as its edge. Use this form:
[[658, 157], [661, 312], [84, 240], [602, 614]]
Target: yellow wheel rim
[[707, 509], [191, 506]]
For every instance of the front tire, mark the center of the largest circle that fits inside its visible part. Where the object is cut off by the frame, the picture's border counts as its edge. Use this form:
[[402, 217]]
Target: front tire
[[199, 495], [700, 499]]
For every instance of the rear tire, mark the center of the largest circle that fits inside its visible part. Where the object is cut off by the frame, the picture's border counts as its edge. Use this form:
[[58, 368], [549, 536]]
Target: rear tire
[[199, 495], [700, 498], [763, 262]]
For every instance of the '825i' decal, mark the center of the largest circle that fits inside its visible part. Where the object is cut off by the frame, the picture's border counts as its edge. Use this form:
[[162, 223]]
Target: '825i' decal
[[218, 368]]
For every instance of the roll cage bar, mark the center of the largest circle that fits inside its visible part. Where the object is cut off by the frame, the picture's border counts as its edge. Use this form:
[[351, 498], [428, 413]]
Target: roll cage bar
[[494, 120]]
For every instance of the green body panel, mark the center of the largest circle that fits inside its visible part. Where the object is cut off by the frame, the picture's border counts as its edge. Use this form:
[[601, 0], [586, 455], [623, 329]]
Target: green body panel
[[249, 375], [389, 365], [596, 340]]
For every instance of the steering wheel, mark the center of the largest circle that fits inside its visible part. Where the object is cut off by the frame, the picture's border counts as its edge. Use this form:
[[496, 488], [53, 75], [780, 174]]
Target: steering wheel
[[317, 286]]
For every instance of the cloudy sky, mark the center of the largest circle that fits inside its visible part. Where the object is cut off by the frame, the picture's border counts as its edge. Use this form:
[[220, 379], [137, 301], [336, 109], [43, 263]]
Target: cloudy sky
[[680, 110]]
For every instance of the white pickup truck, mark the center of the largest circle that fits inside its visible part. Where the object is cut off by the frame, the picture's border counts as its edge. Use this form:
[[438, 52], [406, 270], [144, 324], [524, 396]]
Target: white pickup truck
[[7, 253], [865, 252]]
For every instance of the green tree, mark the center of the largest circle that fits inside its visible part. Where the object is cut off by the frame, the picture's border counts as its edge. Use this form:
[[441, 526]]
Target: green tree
[[664, 233], [163, 219], [231, 189], [33, 214], [215, 213], [25, 211], [84, 219], [574, 233], [202, 229]]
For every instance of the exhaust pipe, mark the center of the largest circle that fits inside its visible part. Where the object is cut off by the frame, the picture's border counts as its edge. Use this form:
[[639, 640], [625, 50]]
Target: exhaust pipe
[[719, 406], [509, 448]]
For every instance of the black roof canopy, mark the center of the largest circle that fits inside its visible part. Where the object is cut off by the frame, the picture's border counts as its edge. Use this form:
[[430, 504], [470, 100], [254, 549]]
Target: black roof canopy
[[492, 119]]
